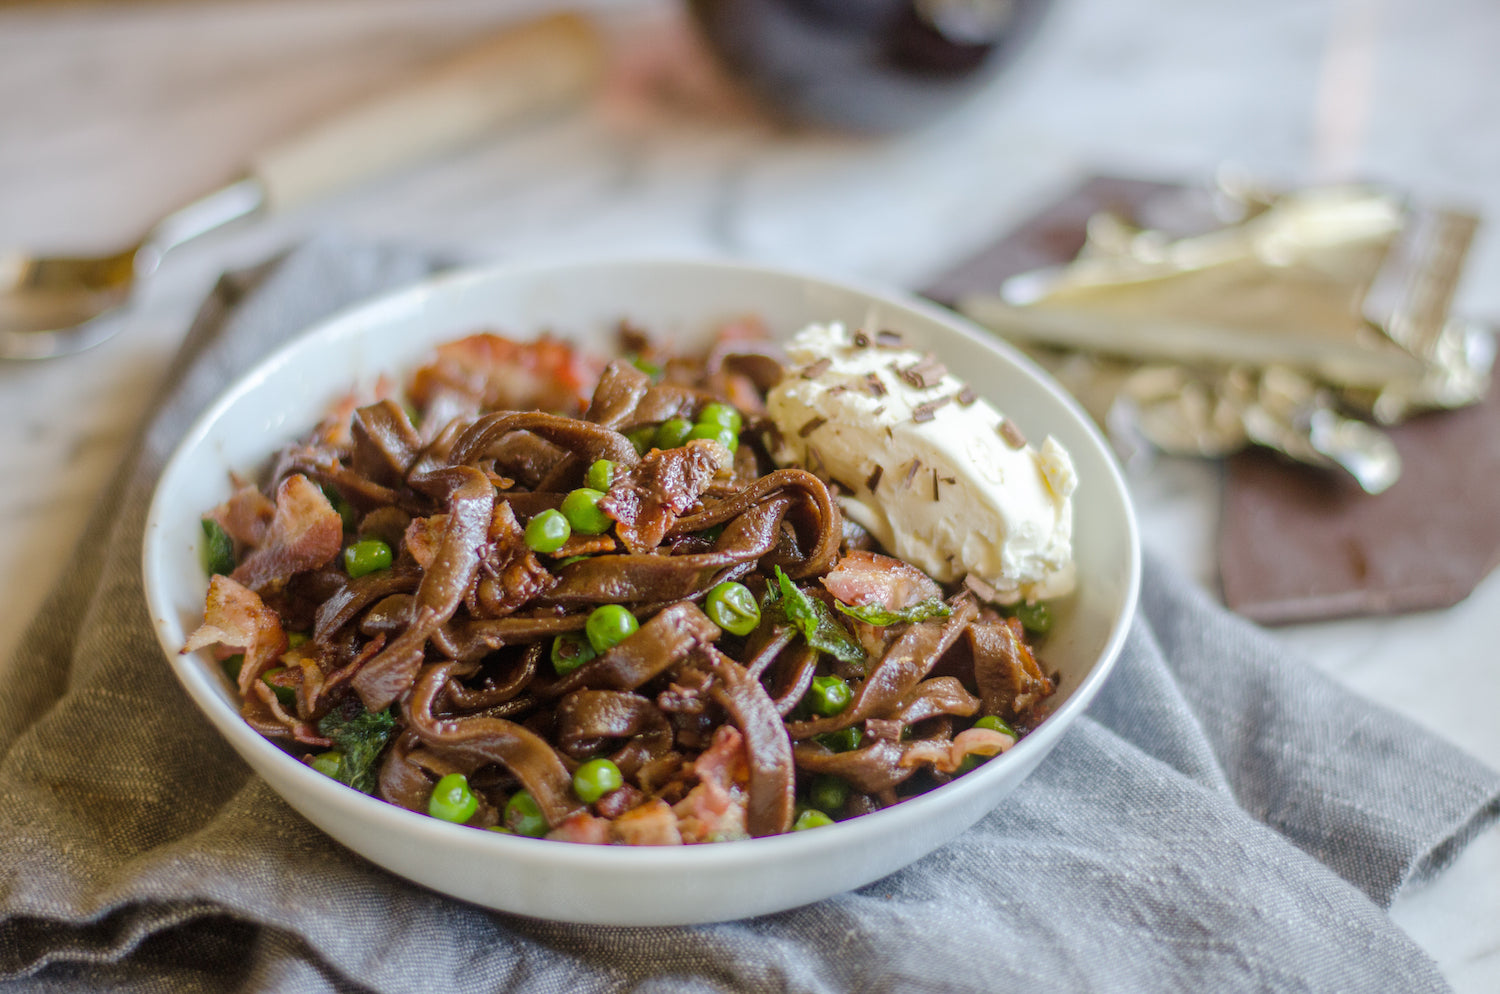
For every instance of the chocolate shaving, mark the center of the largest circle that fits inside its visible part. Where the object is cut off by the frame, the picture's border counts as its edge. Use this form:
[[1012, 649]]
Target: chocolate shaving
[[935, 492], [966, 396], [928, 411], [862, 339], [812, 425], [837, 389], [911, 472], [888, 339], [873, 480], [815, 464], [927, 372], [1011, 434], [876, 385], [817, 369], [878, 411]]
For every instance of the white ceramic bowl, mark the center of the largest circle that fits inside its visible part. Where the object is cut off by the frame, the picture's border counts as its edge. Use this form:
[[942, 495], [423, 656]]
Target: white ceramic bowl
[[285, 396]]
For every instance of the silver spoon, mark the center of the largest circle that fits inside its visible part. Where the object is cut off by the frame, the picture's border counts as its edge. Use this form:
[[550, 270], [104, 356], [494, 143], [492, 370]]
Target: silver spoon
[[56, 305]]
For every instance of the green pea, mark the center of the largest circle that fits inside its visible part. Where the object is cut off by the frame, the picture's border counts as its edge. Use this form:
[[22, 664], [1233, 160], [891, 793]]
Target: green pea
[[672, 433], [548, 531], [843, 740], [722, 415], [811, 818], [828, 696], [295, 639], [366, 556], [218, 549], [724, 436], [600, 475], [732, 607], [642, 438], [570, 650], [502, 830], [995, 724], [347, 514], [712, 533], [596, 778], [1035, 618], [608, 626], [232, 666], [286, 695], [327, 763], [581, 508], [452, 800], [828, 793], [570, 560], [523, 816], [972, 761]]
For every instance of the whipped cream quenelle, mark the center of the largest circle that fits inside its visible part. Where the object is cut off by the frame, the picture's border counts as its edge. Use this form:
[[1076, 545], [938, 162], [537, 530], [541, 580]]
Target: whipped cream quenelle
[[937, 475]]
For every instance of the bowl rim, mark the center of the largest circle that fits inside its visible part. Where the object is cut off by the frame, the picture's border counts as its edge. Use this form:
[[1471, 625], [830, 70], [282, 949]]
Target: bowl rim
[[721, 855]]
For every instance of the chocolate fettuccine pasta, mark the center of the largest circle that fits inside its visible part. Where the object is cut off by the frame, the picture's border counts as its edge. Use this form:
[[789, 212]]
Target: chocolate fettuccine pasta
[[536, 594]]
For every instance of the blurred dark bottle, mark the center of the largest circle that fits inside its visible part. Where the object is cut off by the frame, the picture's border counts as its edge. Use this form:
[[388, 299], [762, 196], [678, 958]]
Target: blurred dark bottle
[[868, 65]]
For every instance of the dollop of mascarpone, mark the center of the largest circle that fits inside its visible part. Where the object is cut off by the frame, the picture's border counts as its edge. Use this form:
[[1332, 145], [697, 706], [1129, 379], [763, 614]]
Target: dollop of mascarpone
[[956, 493]]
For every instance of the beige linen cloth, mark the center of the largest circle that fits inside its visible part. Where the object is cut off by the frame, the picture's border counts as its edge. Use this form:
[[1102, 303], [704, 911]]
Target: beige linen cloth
[[1222, 819]]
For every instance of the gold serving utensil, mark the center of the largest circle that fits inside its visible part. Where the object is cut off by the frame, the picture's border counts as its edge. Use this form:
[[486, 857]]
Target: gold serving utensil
[[56, 305]]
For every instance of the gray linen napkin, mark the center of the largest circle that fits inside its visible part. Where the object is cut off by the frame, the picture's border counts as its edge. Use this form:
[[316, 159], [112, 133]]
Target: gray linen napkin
[[1223, 818]]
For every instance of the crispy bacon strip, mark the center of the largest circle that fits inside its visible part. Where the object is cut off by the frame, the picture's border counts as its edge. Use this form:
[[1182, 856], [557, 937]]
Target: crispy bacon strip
[[235, 617], [948, 756], [305, 533], [651, 824], [646, 499], [865, 578], [245, 516], [497, 373], [714, 811]]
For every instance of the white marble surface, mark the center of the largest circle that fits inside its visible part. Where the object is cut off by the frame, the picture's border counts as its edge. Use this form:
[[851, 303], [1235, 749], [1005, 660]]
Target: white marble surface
[[112, 114]]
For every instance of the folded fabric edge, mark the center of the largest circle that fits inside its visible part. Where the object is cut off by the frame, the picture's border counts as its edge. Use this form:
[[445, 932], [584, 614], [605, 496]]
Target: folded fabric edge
[[1483, 817], [198, 945], [28, 943]]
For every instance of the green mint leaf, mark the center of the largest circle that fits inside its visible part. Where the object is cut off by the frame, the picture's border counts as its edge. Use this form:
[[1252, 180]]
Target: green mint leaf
[[815, 621], [218, 549], [876, 614], [796, 605], [360, 737]]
